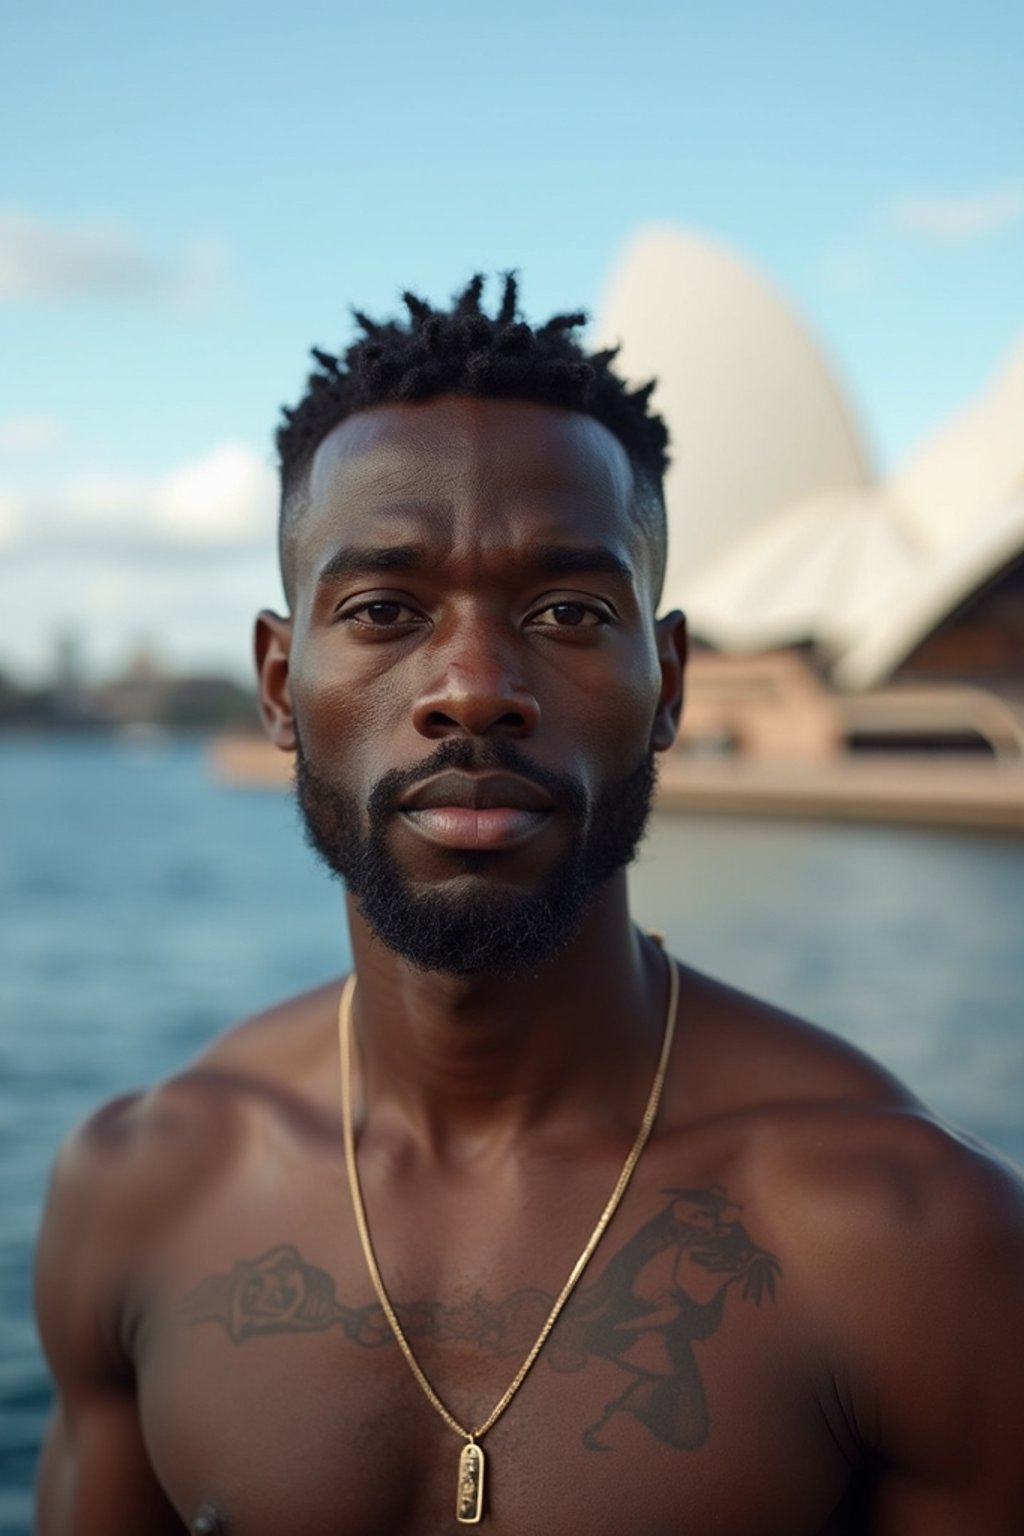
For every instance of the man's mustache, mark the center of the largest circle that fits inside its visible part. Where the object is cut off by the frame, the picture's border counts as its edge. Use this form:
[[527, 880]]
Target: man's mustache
[[467, 756]]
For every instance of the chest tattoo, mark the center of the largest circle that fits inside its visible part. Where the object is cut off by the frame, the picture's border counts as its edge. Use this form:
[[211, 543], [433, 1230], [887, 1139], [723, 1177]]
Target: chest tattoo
[[660, 1294]]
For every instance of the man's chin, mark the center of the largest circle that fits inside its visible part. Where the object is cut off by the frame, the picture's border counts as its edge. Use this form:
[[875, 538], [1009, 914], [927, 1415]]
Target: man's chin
[[473, 927], [476, 884]]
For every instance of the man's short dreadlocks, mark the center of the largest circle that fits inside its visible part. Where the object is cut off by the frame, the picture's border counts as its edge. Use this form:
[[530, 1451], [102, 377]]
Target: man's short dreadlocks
[[465, 351]]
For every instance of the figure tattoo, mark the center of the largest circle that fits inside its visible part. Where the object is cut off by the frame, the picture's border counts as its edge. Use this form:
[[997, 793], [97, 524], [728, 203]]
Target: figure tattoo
[[663, 1292]]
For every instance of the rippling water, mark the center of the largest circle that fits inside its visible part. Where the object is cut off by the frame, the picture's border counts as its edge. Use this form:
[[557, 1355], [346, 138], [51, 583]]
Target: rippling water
[[144, 907]]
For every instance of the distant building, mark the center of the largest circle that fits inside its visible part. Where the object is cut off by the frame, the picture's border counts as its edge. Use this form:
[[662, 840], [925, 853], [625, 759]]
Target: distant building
[[782, 535], [143, 696]]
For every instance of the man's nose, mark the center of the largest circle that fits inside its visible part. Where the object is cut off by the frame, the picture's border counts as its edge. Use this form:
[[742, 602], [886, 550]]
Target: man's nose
[[477, 691]]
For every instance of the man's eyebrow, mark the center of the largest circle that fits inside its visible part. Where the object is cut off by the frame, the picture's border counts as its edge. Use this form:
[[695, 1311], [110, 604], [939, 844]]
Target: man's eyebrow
[[545, 559], [562, 560], [372, 560]]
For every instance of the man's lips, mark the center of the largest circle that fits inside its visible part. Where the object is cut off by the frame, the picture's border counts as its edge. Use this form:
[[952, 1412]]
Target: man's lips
[[477, 792], [481, 811]]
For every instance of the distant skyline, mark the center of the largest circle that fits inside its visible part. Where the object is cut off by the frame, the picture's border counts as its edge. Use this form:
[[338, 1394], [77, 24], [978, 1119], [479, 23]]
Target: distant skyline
[[197, 196]]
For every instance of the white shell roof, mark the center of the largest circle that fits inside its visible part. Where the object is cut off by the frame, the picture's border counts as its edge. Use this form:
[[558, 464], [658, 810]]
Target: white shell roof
[[976, 462], [808, 570], [757, 417], [777, 533], [936, 589]]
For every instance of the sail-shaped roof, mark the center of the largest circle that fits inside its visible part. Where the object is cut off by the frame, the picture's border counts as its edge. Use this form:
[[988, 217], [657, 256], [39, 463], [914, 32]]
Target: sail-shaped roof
[[779, 533]]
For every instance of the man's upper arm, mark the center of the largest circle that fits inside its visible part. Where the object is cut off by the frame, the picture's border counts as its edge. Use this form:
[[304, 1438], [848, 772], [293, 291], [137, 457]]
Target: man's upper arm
[[94, 1474], [948, 1359]]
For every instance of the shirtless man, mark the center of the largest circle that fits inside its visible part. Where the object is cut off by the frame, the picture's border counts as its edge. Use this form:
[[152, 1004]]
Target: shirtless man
[[806, 1316]]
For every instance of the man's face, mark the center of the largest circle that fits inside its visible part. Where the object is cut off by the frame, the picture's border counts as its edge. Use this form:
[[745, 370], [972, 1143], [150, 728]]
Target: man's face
[[472, 674]]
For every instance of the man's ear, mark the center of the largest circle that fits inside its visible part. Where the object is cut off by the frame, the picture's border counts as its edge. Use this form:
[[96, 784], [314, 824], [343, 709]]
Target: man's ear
[[273, 640], [670, 632]]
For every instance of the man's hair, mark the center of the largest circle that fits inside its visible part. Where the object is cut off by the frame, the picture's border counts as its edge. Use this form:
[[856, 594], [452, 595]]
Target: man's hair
[[464, 351]]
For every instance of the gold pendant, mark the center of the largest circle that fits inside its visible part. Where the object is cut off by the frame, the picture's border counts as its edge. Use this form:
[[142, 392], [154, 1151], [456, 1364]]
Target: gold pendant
[[469, 1501]]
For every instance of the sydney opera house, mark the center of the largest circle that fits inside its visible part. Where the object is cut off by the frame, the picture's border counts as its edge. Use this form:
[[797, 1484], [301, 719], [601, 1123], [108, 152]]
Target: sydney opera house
[[897, 602]]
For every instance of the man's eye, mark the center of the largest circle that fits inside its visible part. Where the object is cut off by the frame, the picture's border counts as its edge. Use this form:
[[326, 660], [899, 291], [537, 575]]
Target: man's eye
[[384, 614], [568, 616]]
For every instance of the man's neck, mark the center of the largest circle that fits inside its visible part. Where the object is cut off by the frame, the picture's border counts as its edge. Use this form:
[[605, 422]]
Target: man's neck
[[466, 1066]]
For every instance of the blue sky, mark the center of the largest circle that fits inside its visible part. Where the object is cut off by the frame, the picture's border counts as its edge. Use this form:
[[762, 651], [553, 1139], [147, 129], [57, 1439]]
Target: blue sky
[[196, 194]]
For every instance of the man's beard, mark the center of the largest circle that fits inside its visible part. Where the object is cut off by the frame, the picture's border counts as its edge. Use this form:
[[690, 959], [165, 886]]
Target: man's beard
[[498, 930]]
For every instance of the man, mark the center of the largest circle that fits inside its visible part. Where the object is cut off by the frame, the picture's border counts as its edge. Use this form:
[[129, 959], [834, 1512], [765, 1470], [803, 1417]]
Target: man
[[793, 1309]]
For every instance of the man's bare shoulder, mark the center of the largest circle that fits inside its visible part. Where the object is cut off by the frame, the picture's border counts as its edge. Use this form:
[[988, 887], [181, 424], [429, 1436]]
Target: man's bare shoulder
[[904, 1253], [856, 1177], [900, 1239], [890, 1186], [135, 1162], [739, 1053]]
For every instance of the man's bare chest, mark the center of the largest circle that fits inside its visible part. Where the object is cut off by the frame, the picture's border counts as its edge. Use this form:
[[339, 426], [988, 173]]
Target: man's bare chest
[[672, 1394]]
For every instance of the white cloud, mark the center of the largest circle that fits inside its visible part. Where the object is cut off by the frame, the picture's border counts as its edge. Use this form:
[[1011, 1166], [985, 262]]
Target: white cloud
[[221, 503], [180, 560], [45, 259], [193, 616], [27, 437], [228, 497], [956, 220]]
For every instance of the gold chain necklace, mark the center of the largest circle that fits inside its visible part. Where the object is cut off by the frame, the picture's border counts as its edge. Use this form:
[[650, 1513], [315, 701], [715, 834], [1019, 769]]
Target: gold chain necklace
[[469, 1500]]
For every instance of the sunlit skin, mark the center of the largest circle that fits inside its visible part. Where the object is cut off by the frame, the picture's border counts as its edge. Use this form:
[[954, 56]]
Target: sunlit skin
[[807, 1316]]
